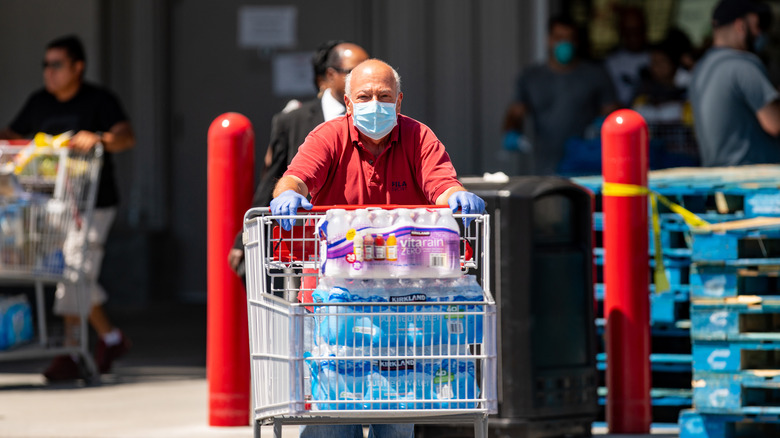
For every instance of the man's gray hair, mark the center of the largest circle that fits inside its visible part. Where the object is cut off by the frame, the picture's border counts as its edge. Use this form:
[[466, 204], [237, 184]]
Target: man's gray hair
[[348, 80]]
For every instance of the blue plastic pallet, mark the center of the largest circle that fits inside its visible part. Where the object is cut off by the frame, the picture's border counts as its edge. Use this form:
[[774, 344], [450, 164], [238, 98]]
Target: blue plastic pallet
[[735, 356], [675, 222], [757, 187], [665, 308], [695, 424], [758, 320], [677, 185], [763, 203], [677, 292], [666, 363], [733, 278], [675, 239], [680, 329], [748, 392], [708, 246], [659, 397], [676, 268]]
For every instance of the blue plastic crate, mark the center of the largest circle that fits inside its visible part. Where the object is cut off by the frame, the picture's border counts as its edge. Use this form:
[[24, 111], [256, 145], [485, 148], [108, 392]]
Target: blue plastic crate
[[694, 424], [729, 279], [735, 356], [747, 392], [758, 320]]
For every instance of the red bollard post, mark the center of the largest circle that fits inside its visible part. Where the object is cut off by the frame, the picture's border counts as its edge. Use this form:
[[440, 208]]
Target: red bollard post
[[624, 138], [231, 160]]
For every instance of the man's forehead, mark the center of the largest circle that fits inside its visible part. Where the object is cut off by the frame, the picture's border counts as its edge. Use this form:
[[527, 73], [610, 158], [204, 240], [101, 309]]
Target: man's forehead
[[56, 53]]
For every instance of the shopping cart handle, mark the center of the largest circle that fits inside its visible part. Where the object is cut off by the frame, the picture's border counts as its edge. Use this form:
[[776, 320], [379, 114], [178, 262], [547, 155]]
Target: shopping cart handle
[[324, 208], [260, 211]]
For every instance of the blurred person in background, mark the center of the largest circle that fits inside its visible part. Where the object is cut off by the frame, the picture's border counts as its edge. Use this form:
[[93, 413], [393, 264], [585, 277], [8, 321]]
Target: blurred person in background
[[626, 63], [658, 98], [736, 108], [563, 96], [680, 44], [332, 61], [94, 114]]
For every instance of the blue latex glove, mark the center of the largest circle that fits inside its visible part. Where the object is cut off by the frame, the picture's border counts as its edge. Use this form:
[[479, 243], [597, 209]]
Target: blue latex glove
[[515, 141], [511, 141], [287, 203], [468, 203]]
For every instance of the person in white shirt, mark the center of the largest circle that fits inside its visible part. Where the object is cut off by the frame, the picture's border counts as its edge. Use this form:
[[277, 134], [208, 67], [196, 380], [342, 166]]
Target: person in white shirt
[[332, 62]]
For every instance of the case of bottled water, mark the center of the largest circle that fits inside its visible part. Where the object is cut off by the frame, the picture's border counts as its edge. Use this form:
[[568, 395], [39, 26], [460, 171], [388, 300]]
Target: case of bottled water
[[402, 243]]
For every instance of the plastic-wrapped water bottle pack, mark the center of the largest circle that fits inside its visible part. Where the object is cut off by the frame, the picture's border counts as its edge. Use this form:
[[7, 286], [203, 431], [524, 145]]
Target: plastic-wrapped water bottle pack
[[16, 325], [398, 383], [400, 312], [400, 243], [395, 343]]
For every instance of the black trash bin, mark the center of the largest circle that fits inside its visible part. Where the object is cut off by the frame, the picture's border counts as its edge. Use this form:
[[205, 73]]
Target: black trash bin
[[543, 284]]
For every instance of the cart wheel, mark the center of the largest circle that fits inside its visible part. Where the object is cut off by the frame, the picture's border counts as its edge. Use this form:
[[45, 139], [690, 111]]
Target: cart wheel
[[91, 376], [93, 380]]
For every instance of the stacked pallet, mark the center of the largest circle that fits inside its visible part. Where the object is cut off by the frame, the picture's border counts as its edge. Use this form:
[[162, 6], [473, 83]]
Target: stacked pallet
[[735, 331], [716, 195]]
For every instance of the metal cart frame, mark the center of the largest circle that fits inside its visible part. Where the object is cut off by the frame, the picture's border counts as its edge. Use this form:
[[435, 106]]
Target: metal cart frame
[[73, 190], [278, 265]]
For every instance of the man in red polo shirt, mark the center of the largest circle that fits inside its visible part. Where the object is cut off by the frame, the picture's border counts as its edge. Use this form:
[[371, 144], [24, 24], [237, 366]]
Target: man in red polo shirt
[[372, 155]]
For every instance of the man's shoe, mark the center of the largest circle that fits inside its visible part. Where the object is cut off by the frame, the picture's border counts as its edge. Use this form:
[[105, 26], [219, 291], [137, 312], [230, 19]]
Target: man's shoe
[[105, 355], [63, 368]]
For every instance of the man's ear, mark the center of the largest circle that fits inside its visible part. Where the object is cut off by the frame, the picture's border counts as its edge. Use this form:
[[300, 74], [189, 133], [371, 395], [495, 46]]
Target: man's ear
[[348, 104], [79, 66], [398, 103]]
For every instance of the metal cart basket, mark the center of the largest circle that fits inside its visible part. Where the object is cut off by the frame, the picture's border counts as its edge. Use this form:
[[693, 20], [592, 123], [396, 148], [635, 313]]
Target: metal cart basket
[[375, 373], [46, 194]]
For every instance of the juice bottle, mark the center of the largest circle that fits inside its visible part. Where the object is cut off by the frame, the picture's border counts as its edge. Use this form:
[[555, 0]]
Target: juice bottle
[[392, 248], [368, 247], [379, 247], [360, 227], [357, 247]]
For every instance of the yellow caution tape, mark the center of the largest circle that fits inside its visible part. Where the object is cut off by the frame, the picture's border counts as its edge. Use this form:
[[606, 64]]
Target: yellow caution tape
[[629, 190]]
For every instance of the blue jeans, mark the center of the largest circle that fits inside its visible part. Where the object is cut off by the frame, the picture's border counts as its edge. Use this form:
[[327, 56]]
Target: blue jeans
[[356, 431]]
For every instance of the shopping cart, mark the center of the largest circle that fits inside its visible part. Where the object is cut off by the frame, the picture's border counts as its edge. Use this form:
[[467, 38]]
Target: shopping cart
[[46, 193], [297, 378]]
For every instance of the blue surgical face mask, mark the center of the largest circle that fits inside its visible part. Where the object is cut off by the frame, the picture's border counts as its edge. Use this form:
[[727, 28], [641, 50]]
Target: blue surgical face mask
[[564, 52], [374, 119]]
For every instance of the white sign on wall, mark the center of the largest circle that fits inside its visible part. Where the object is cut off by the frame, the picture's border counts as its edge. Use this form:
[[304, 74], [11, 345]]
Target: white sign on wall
[[267, 26], [293, 74]]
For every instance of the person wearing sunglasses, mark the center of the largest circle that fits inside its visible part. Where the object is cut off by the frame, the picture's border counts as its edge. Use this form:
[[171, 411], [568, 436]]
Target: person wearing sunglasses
[[68, 103]]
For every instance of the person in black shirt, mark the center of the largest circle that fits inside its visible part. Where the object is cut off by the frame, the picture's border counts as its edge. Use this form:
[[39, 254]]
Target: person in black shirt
[[67, 103]]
